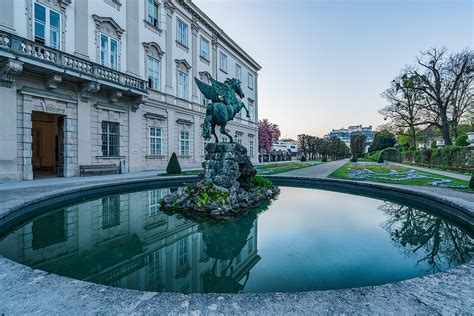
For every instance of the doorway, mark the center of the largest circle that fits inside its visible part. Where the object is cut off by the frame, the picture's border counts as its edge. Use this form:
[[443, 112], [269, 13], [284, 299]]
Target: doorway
[[47, 145]]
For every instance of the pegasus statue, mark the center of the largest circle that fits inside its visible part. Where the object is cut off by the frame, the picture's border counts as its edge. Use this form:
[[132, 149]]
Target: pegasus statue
[[223, 107]]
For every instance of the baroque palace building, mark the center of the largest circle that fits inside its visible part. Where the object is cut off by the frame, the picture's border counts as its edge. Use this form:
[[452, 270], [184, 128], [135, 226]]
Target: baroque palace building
[[103, 81]]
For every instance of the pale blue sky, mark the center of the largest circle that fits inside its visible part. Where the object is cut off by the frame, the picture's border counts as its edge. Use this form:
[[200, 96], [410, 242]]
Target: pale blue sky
[[326, 62]]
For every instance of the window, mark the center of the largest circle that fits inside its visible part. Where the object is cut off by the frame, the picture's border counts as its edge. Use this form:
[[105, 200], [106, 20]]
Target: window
[[110, 211], [182, 252], [182, 33], [223, 62], [204, 48], [238, 72], [182, 85], [154, 197], [154, 268], [108, 58], [250, 245], [250, 81], [153, 73], [47, 26], [154, 141], [110, 139], [251, 147], [251, 118], [184, 144], [153, 13]]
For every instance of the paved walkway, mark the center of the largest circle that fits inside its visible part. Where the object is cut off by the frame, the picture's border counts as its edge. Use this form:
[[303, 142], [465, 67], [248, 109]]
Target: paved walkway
[[319, 171]]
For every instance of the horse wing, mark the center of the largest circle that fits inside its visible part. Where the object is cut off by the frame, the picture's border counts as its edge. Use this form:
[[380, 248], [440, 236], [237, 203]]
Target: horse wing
[[224, 91], [209, 92]]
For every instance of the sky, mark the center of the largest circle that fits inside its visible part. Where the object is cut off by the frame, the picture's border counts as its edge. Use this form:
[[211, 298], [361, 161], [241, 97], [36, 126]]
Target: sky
[[326, 62]]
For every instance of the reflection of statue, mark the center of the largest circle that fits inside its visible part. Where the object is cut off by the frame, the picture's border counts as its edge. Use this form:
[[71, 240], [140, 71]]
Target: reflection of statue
[[441, 241], [224, 106], [224, 243]]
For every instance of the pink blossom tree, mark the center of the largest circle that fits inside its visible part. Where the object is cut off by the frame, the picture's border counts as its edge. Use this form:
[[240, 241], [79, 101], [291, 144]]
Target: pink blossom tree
[[268, 133]]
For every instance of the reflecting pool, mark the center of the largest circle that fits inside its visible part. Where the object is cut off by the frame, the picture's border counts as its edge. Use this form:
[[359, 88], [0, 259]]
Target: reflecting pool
[[308, 239]]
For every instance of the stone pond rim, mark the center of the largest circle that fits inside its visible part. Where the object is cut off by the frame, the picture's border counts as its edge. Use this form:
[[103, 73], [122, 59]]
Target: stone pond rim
[[403, 296]]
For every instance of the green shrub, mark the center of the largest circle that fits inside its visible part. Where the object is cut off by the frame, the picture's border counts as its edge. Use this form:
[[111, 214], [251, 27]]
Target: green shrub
[[262, 182], [433, 144], [408, 156], [471, 182], [354, 159], [461, 141], [324, 159], [381, 159], [427, 156], [418, 156], [173, 165], [303, 158], [391, 154]]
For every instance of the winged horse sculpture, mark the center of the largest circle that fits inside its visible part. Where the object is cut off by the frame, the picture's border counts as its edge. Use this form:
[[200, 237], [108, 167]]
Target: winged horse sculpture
[[223, 107]]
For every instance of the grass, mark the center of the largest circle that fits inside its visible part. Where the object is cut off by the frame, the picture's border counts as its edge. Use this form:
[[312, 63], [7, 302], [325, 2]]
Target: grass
[[184, 173], [343, 173], [275, 168]]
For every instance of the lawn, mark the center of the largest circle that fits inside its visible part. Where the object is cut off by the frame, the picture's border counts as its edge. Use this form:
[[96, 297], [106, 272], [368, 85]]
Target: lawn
[[184, 173], [386, 173], [274, 168]]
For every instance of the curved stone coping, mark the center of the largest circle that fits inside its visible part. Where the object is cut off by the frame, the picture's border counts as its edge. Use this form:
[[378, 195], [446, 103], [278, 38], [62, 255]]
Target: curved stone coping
[[25, 290]]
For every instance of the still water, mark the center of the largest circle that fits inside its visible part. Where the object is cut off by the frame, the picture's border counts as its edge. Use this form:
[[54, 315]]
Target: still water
[[307, 239]]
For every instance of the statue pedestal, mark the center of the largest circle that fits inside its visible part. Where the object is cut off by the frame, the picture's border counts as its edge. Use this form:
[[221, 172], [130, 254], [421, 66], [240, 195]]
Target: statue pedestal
[[228, 187], [227, 165]]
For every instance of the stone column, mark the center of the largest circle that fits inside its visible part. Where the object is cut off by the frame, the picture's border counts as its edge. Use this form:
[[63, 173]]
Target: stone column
[[172, 143], [194, 50], [7, 16], [70, 146], [84, 134], [214, 56], [132, 35], [8, 135], [169, 7], [82, 28]]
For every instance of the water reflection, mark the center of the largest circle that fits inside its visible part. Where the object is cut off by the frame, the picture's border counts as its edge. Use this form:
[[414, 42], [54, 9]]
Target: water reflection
[[441, 244], [125, 241], [309, 240]]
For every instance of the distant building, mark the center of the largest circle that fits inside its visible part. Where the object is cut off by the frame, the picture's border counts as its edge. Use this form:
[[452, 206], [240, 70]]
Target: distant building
[[345, 133], [286, 144]]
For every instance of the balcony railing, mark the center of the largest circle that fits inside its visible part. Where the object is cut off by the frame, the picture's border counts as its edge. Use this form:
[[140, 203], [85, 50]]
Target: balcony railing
[[38, 52]]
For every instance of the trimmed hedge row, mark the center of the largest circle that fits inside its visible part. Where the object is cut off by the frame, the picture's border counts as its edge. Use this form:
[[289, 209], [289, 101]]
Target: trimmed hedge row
[[389, 154], [446, 156]]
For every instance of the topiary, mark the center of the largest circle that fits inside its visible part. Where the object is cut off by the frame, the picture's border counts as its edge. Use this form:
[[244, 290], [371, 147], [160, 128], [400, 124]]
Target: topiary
[[173, 165], [380, 159], [471, 182], [433, 144], [324, 159], [303, 158], [354, 159], [461, 141]]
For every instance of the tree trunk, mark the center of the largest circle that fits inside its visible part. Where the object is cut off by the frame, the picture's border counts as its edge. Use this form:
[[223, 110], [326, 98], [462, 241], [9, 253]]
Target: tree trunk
[[413, 136], [445, 129]]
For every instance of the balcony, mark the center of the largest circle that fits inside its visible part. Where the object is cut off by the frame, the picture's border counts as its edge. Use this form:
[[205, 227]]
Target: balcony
[[42, 59]]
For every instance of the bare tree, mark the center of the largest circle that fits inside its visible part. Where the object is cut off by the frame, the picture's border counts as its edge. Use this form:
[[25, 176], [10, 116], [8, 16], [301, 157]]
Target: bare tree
[[438, 78], [404, 107]]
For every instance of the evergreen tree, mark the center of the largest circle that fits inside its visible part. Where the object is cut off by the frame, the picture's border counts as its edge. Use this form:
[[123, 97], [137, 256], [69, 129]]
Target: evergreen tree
[[173, 165]]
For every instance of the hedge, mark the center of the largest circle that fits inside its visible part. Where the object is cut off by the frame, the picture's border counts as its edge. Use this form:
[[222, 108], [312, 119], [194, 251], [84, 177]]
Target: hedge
[[447, 156], [389, 154]]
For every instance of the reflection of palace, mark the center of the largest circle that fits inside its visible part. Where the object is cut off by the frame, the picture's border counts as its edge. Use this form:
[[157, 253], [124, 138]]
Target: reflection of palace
[[124, 240]]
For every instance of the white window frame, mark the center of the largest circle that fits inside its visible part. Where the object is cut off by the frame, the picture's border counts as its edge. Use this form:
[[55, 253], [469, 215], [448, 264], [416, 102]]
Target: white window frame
[[182, 34], [251, 111], [183, 87], [154, 197], [153, 18], [184, 144], [251, 145], [155, 142], [223, 62], [108, 51], [250, 81], [238, 72], [154, 74], [205, 53], [47, 26]]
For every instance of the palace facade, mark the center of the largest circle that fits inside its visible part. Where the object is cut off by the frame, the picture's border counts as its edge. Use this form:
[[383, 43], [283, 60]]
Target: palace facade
[[110, 81]]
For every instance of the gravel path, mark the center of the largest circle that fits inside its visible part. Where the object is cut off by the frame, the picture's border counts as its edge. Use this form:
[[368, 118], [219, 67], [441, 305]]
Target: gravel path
[[440, 172], [318, 171]]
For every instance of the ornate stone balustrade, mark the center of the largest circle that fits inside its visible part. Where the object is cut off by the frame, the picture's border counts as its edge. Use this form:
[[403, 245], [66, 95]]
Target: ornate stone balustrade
[[10, 43]]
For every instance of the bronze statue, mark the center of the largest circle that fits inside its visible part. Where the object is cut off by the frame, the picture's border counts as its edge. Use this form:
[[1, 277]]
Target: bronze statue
[[224, 105]]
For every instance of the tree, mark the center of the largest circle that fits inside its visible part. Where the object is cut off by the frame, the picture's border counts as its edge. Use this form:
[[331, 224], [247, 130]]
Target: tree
[[404, 108], [438, 78], [357, 146], [303, 144], [268, 133], [383, 139], [173, 165]]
